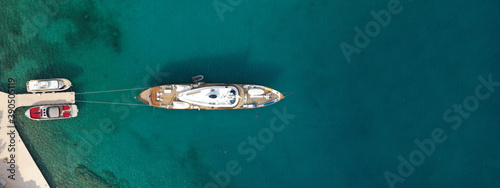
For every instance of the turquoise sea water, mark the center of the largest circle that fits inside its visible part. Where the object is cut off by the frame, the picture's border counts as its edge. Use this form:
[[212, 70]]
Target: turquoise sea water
[[350, 121]]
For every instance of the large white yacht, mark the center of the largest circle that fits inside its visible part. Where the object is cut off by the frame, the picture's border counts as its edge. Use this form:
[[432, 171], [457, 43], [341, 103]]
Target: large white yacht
[[210, 96]]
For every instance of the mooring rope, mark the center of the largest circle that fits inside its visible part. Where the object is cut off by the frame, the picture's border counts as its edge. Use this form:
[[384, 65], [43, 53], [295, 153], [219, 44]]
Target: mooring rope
[[286, 94], [103, 102], [107, 91]]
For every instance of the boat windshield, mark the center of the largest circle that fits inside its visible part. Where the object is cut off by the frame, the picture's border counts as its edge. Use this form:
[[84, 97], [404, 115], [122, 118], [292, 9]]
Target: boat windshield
[[53, 112]]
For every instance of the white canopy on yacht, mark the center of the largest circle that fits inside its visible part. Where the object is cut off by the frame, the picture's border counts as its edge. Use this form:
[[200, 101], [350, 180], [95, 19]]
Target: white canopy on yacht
[[37, 85], [214, 96]]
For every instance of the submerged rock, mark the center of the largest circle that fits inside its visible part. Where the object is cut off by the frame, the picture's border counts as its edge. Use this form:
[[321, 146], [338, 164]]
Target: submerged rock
[[110, 177], [92, 179], [89, 177], [124, 183]]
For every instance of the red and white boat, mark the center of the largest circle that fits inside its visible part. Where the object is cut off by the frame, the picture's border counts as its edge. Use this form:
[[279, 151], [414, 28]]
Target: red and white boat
[[52, 112]]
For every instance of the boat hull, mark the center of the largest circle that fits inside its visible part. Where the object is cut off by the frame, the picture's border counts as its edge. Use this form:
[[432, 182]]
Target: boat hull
[[41, 113], [203, 96], [44, 85]]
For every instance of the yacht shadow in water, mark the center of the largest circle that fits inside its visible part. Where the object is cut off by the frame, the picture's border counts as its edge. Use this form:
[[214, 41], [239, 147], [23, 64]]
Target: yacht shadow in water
[[234, 69]]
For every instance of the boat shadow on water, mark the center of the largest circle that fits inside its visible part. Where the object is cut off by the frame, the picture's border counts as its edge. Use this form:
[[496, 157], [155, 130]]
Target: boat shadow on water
[[233, 69], [69, 71]]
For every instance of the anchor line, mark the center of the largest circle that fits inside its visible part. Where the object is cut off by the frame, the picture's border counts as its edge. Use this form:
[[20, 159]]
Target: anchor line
[[107, 91], [103, 102], [286, 94]]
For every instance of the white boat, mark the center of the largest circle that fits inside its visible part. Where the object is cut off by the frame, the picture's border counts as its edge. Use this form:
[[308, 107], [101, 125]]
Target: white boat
[[210, 96], [48, 85], [52, 112]]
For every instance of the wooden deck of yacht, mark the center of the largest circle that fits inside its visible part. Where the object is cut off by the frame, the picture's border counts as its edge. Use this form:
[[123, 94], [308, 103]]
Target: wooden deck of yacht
[[267, 96], [160, 98]]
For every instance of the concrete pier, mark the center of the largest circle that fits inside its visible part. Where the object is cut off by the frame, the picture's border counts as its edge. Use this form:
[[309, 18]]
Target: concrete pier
[[18, 167]]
